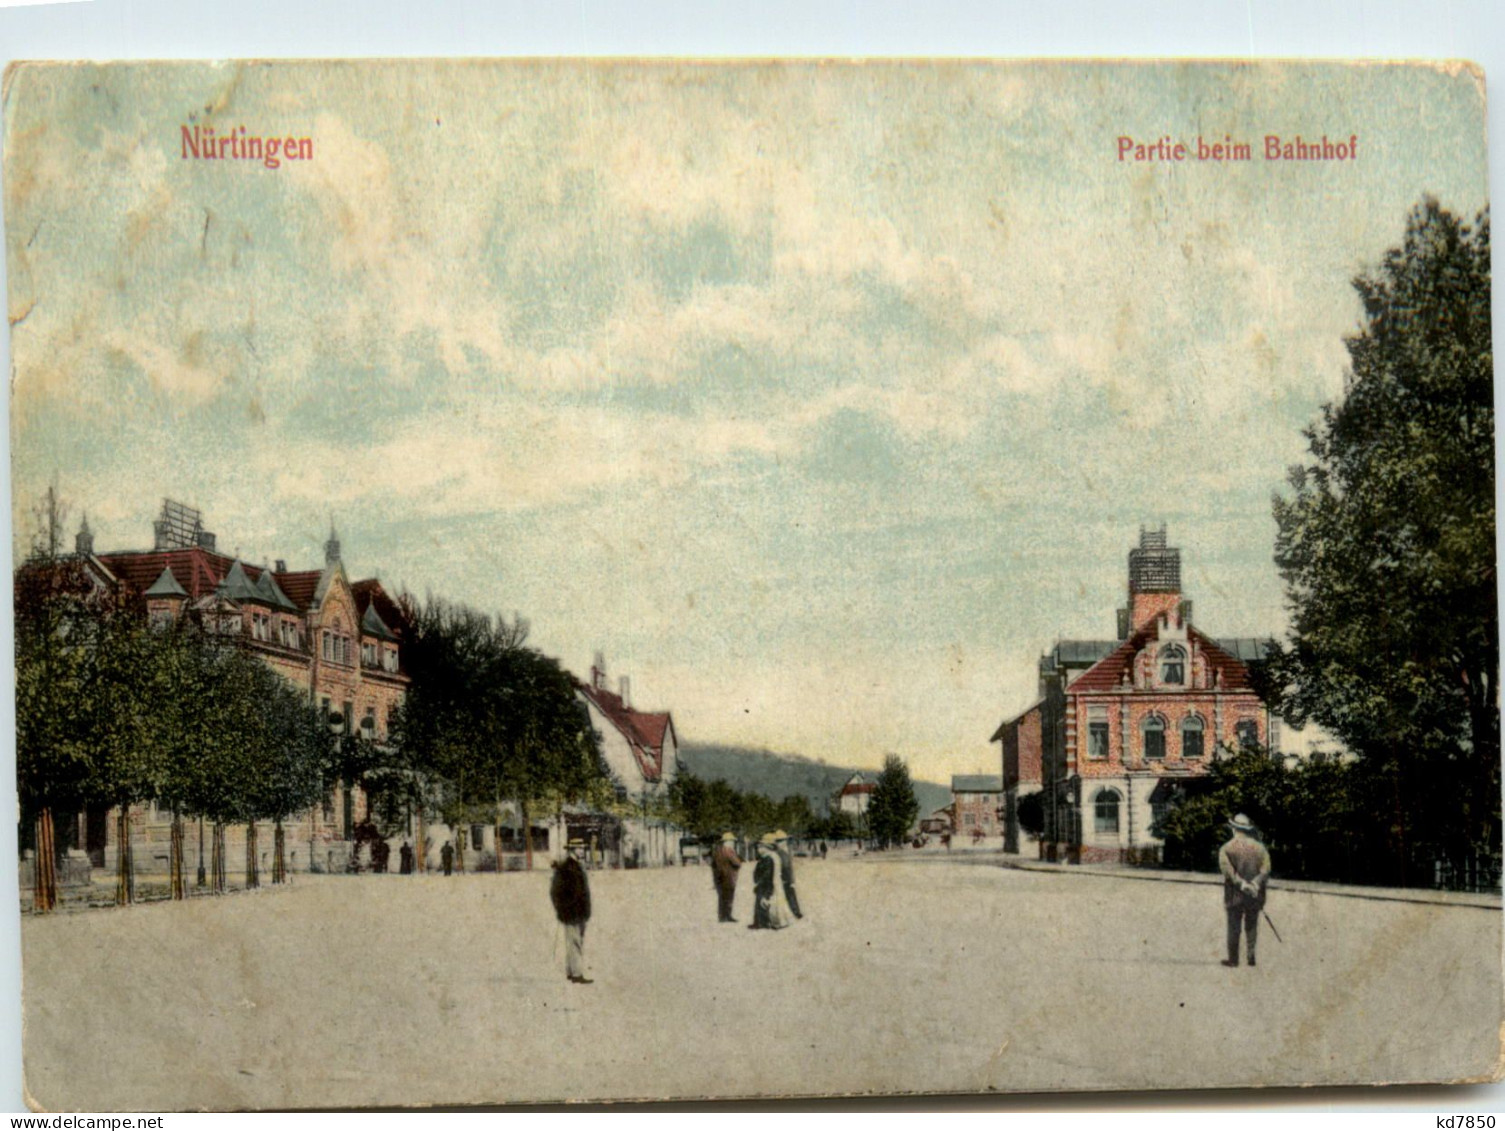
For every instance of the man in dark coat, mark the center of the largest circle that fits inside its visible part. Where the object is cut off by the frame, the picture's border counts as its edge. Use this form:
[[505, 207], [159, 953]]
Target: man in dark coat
[[724, 865], [405, 858], [447, 858], [1245, 864], [781, 843], [571, 894]]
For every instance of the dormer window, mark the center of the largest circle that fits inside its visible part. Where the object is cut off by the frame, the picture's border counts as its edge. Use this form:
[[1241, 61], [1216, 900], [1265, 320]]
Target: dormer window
[[1173, 664]]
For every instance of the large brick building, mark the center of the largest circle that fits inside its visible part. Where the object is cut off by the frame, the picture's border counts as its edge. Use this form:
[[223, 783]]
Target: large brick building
[[337, 640], [1121, 726]]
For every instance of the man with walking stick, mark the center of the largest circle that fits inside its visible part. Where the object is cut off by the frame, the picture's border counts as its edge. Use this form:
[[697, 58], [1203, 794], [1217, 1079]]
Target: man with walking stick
[[571, 894], [1245, 864]]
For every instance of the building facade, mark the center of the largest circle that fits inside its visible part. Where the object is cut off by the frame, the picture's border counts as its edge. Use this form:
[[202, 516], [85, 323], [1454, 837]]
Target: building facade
[[641, 752], [976, 804], [1122, 726], [338, 641]]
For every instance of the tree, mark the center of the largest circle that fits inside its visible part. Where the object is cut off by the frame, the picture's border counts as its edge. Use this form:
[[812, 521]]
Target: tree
[[892, 807], [1031, 814], [488, 719], [1386, 545]]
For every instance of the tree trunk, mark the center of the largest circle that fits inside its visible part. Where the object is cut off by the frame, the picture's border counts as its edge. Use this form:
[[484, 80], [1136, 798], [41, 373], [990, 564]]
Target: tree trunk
[[459, 843], [420, 846], [44, 865], [175, 859], [253, 875], [125, 877], [279, 854], [527, 836], [217, 858]]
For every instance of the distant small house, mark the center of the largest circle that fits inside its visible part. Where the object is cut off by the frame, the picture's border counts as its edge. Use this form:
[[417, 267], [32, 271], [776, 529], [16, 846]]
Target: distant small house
[[975, 802], [853, 797]]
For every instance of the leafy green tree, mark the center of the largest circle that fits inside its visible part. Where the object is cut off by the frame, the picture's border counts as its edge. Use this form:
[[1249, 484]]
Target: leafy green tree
[[490, 720], [892, 807], [1386, 544]]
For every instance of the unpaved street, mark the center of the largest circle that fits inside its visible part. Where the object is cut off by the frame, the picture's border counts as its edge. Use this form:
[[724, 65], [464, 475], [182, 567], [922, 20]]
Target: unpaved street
[[935, 976]]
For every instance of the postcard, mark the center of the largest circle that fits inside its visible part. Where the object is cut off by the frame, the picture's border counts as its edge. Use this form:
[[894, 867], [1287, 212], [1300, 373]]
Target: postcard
[[635, 580]]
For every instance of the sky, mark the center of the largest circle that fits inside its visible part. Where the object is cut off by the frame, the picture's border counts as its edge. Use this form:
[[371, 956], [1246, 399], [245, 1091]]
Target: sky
[[821, 398]]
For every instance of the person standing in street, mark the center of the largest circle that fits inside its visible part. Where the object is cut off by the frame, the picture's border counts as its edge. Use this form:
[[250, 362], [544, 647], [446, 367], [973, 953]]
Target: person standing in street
[[570, 892], [447, 858], [786, 860], [724, 865], [770, 908], [1245, 864]]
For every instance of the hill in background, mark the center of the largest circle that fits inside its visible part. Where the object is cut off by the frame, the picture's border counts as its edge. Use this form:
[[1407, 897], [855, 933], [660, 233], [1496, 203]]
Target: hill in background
[[778, 776]]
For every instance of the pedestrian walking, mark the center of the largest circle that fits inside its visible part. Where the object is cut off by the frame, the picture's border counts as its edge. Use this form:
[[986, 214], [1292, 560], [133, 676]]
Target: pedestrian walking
[[1245, 864], [405, 859], [724, 866], [570, 892], [447, 858], [771, 909], [786, 859]]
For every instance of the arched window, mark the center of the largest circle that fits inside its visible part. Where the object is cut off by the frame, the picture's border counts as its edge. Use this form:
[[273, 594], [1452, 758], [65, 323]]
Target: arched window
[[1105, 812], [1191, 737], [1153, 729], [1173, 664]]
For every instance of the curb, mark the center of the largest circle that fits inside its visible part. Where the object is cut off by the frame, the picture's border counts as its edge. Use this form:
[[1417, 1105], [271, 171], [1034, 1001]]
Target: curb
[[1475, 900]]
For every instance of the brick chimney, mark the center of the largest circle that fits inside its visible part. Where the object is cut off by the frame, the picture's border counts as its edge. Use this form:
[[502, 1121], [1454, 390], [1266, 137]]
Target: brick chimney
[[1154, 580], [624, 688], [598, 672]]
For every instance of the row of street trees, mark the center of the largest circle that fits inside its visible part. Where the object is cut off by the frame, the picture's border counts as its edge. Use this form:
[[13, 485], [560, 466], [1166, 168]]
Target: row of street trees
[[1386, 544], [112, 712]]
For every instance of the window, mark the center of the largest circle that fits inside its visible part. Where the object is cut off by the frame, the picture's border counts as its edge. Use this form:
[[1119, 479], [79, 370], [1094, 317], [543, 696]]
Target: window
[[1097, 732], [389, 659], [1105, 812], [1173, 664], [1154, 737], [368, 654], [328, 652], [1247, 731], [368, 723], [161, 619], [477, 836], [968, 820], [349, 716], [1191, 737]]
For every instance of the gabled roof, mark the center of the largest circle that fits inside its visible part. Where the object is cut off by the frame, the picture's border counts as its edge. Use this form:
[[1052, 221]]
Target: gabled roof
[[270, 592], [643, 730], [1108, 673], [369, 593], [372, 623], [1003, 726], [237, 586], [976, 783], [166, 585]]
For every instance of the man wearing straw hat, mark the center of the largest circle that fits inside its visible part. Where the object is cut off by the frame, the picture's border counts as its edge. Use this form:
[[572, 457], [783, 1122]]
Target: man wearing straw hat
[[1245, 864], [724, 865], [571, 893]]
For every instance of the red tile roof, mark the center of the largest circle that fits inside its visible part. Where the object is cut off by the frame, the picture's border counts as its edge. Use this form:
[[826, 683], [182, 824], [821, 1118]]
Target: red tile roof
[[1108, 673], [644, 730], [198, 571]]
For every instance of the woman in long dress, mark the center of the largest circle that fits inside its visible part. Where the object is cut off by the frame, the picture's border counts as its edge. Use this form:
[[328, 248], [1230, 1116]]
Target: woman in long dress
[[771, 909]]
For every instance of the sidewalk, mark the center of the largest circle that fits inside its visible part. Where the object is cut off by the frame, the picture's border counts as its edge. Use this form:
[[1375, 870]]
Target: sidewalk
[[1483, 900]]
